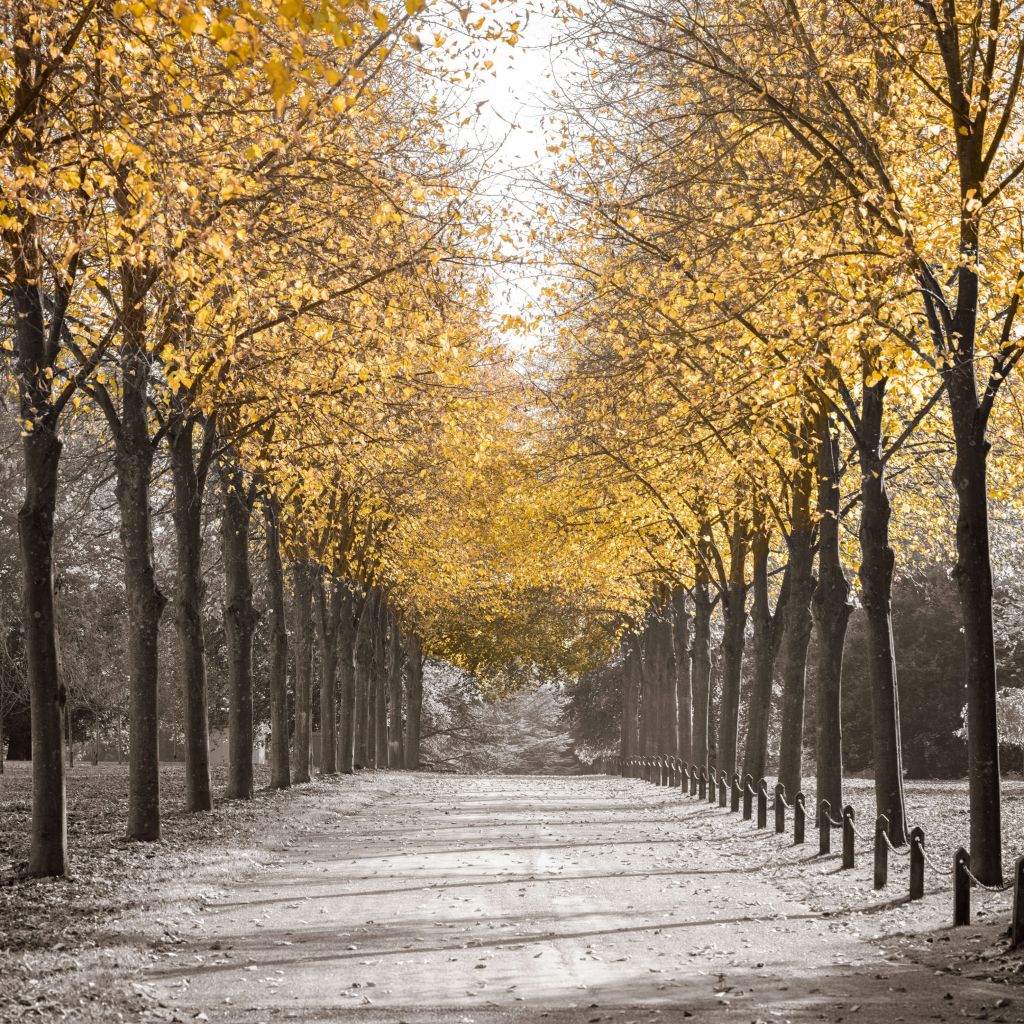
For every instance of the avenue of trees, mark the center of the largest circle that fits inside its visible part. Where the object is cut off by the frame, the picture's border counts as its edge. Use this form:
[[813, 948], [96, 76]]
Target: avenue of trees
[[272, 455], [786, 246]]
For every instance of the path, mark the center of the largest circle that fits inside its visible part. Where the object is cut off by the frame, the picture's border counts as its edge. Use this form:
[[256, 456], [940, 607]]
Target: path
[[487, 899]]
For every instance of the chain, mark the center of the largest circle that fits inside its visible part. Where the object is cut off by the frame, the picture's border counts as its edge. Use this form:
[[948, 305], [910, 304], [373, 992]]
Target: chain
[[935, 867], [981, 885]]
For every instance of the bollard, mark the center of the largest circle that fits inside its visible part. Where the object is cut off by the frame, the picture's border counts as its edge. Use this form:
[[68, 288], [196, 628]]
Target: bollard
[[1017, 922], [712, 785], [762, 804], [780, 807], [961, 888], [824, 828], [734, 801], [848, 838], [703, 786], [799, 820], [881, 878], [694, 779], [723, 797], [917, 863], [748, 797]]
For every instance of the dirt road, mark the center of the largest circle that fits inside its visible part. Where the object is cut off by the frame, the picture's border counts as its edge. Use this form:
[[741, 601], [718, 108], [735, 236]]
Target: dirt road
[[484, 899]]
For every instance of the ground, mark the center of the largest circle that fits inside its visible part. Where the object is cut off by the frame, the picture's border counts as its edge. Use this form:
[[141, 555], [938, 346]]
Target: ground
[[423, 898]]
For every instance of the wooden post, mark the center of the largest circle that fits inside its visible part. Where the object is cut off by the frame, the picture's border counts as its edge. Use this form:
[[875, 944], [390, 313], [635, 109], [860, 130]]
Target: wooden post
[[762, 804], [712, 785], [694, 780], [1017, 922], [748, 797], [917, 863], [722, 792], [848, 838], [961, 888], [734, 801], [824, 828], [881, 878], [703, 785], [780, 807], [799, 820]]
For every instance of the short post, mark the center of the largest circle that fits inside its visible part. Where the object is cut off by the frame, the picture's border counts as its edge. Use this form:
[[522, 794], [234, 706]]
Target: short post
[[917, 863], [1017, 922], [703, 787], [824, 828], [881, 878], [723, 793], [748, 797], [712, 785], [762, 803], [694, 779], [780, 807], [848, 838], [961, 888], [734, 799], [799, 820]]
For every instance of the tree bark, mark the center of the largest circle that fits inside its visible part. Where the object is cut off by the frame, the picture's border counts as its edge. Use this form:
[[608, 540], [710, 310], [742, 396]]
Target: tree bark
[[362, 661], [396, 652], [239, 626], [414, 699], [797, 633], [346, 677], [133, 462], [380, 684], [302, 584], [767, 636], [48, 850], [280, 770], [701, 668], [684, 693], [734, 613], [630, 745], [191, 593], [831, 608], [328, 625]]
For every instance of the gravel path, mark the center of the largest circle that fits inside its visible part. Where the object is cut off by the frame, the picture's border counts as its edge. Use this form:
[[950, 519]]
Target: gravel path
[[480, 899]]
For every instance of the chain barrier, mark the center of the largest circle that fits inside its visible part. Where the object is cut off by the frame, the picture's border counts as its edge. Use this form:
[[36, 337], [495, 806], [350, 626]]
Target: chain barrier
[[961, 874]]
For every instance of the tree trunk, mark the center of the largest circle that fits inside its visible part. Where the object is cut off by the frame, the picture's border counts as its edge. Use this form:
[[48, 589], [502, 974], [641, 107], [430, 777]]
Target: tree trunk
[[831, 608], [362, 661], [36, 358], [414, 698], [133, 461], [380, 683], [280, 770], [797, 633], [48, 851], [346, 677], [396, 756], [239, 625], [302, 582], [630, 745], [191, 593], [767, 635], [684, 694], [701, 669], [973, 574], [735, 615], [328, 626]]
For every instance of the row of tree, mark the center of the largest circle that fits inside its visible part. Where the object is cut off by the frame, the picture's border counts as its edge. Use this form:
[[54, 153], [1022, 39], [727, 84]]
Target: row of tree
[[788, 323]]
